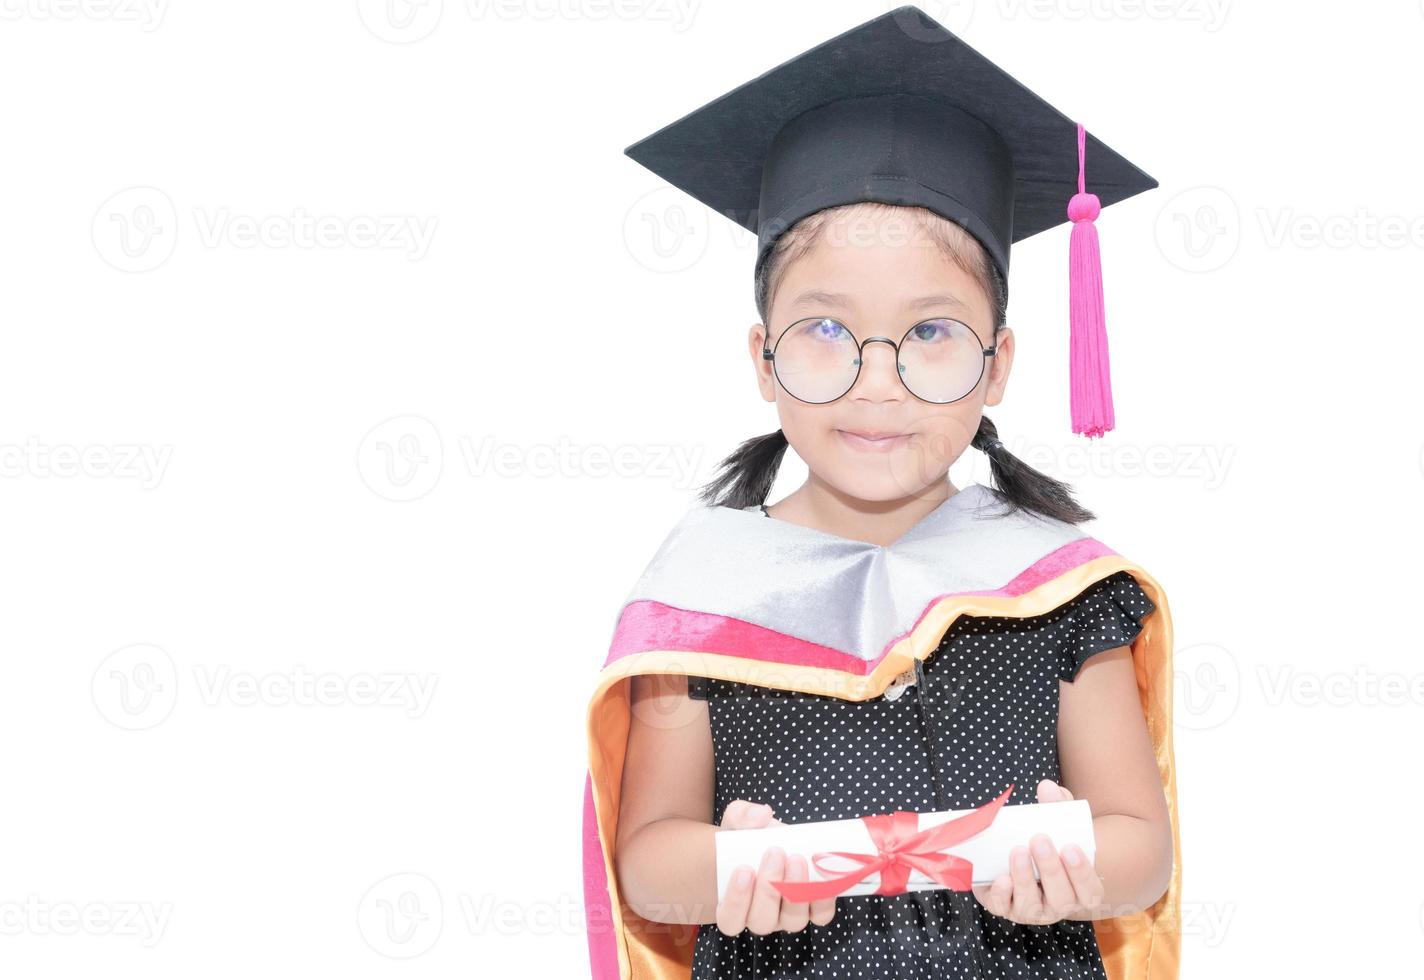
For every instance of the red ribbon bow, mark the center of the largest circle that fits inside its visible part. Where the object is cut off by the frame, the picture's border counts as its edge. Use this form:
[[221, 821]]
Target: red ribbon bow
[[900, 847]]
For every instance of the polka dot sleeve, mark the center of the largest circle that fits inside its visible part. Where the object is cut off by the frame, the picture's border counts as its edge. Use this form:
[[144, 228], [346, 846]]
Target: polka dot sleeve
[[1106, 615]]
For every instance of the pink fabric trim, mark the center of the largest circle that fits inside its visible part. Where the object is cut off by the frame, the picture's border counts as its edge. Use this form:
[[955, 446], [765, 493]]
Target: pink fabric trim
[[650, 625], [1046, 569], [597, 902]]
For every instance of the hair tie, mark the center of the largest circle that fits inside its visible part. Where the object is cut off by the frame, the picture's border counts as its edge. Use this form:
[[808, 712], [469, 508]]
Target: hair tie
[[992, 445]]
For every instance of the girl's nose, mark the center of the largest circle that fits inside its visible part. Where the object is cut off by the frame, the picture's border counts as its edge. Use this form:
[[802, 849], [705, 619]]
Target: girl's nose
[[879, 368]]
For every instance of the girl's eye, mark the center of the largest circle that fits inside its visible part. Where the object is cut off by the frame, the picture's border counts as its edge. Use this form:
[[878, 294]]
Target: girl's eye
[[827, 330], [933, 330]]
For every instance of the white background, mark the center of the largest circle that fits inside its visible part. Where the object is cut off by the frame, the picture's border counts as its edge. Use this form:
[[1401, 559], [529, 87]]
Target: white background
[[238, 462]]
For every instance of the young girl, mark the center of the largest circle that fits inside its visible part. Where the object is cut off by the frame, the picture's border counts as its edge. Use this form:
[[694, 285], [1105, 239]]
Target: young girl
[[880, 640]]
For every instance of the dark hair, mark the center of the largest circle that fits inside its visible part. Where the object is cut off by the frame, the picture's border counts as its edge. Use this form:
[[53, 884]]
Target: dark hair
[[745, 477]]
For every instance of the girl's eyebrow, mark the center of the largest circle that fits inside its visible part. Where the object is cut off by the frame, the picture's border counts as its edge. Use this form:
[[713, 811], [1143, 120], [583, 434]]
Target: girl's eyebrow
[[824, 298], [938, 299]]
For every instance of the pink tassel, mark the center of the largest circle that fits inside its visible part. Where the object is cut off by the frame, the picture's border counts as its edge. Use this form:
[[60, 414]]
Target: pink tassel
[[1089, 382]]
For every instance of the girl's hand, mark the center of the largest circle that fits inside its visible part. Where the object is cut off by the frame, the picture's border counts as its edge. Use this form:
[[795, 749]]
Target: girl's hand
[[1067, 884], [751, 902]]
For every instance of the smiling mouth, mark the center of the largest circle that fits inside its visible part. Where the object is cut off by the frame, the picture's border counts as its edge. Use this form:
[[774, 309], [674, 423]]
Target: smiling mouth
[[871, 441]]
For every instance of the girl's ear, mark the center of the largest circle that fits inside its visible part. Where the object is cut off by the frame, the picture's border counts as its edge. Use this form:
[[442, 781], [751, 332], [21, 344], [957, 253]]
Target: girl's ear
[[766, 380], [999, 366]]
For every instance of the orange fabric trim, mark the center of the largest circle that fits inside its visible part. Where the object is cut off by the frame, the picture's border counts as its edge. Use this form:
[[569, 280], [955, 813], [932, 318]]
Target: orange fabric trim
[[1144, 945]]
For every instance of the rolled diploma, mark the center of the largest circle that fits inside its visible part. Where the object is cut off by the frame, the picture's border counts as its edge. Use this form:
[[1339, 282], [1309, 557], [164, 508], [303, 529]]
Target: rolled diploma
[[1064, 821]]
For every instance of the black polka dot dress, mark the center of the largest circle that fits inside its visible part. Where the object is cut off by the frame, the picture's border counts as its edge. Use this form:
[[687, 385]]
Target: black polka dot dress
[[982, 713]]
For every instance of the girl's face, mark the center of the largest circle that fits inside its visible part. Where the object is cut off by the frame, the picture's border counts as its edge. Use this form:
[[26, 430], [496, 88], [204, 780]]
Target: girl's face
[[879, 274]]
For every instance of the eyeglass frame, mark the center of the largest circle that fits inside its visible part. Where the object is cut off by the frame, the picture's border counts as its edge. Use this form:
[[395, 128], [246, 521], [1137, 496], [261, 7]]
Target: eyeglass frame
[[769, 354]]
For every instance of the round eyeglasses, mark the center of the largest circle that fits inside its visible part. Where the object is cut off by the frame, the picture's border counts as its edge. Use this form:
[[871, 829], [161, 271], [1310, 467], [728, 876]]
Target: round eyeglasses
[[818, 359]]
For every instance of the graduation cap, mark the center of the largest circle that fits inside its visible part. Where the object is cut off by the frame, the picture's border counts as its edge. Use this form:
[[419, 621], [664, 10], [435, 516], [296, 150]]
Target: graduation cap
[[899, 110]]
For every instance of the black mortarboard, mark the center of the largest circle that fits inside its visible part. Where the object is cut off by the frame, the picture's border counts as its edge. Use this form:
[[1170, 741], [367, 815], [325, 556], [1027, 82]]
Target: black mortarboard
[[900, 110]]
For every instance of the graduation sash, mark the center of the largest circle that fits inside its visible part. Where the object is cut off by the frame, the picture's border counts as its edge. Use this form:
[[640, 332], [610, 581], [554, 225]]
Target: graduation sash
[[731, 594]]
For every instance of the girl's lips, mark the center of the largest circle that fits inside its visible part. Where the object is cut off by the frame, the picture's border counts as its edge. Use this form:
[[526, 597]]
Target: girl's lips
[[872, 445]]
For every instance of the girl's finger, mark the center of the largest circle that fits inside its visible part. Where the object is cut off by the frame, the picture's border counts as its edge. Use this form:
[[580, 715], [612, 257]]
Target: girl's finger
[[795, 915], [823, 910], [746, 815], [1051, 792], [732, 815], [1086, 883], [765, 909], [1027, 904], [1058, 894], [732, 909], [996, 896]]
